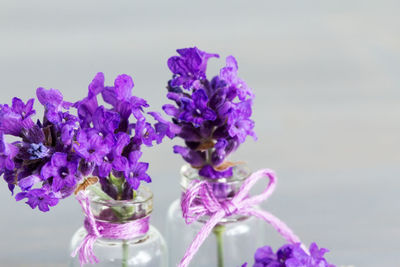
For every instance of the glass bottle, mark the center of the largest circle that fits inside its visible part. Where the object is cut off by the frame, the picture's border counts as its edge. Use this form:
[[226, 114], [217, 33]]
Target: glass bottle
[[147, 250], [232, 242]]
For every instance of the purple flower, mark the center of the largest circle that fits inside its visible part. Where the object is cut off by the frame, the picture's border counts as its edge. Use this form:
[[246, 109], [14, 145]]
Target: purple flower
[[105, 121], [195, 110], [105, 135], [62, 171], [24, 110], [229, 75], [38, 198], [17, 117], [51, 156], [219, 153], [114, 160], [145, 133], [240, 125], [316, 257], [189, 66], [136, 171], [265, 256], [7, 154], [213, 117], [163, 127], [120, 97], [291, 255], [87, 106], [53, 102], [92, 146]]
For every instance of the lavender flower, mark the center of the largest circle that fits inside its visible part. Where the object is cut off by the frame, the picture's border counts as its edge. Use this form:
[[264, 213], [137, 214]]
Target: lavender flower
[[290, 255], [62, 171], [136, 171], [105, 139], [211, 116], [17, 117], [37, 162], [38, 198], [52, 156], [92, 146]]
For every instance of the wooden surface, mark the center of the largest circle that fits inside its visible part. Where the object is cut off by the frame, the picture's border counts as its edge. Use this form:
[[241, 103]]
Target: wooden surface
[[326, 77]]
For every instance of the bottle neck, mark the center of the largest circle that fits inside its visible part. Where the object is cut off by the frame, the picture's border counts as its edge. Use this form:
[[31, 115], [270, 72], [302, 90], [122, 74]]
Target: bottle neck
[[223, 189], [121, 211], [133, 230], [117, 219]]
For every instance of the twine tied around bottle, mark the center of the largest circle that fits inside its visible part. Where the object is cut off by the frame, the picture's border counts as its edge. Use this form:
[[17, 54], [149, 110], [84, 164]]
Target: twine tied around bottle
[[96, 229], [199, 200]]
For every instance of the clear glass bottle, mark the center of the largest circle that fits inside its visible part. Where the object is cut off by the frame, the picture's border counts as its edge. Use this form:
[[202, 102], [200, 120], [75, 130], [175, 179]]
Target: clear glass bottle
[[233, 240], [147, 250]]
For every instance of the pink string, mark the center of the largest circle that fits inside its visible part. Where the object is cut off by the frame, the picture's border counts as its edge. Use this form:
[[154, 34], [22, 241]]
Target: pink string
[[241, 204], [96, 229]]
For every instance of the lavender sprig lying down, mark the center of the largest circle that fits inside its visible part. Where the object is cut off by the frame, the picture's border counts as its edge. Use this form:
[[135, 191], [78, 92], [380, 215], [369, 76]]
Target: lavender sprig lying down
[[51, 157], [290, 255]]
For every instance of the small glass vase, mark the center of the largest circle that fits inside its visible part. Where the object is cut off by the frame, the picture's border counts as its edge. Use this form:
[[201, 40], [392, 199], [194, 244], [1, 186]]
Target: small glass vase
[[146, 250], [231, 243]]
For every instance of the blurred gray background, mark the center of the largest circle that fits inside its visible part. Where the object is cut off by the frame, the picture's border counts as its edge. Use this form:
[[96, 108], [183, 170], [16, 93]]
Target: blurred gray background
[[326, 77]]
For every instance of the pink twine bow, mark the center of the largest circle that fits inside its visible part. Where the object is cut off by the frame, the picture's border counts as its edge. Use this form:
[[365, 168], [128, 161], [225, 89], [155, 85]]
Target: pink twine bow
[[96, 229], [199, 200]]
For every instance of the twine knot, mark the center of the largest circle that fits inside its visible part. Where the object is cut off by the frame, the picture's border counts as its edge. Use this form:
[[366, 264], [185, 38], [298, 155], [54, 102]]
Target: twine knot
[[229, 207]]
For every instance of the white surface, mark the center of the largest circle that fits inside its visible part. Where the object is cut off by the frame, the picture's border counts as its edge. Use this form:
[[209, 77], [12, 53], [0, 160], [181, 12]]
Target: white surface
[[326, 77]]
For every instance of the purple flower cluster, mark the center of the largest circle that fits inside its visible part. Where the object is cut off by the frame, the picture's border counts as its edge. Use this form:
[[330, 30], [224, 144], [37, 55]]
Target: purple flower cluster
[[110, 139], [291, 255], [51, 157], [212, 116]]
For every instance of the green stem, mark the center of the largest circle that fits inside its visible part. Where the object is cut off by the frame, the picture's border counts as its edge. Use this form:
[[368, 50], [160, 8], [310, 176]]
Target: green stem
[[124, 253], [100, 193], [219, 233]]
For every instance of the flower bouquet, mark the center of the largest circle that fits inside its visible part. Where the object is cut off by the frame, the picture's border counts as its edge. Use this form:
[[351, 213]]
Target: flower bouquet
[[94, 152]]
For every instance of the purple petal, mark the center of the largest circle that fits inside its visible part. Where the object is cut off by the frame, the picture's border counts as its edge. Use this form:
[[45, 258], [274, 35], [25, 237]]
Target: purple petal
[[97, 85], [21, 196], [27, 182], [43, 206], [18, 105], [47, 171], [200, 98], [120, 163], [145, 177], [123, 86], [134, 157], [105, 169], [59, 159], [49, 98], [57, 184], [171, 110], [109, 96], [142, 167], [133, 182]]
